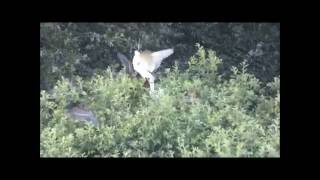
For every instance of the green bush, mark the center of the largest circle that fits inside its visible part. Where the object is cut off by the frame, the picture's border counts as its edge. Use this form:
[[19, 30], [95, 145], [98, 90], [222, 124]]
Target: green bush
[[195, 113]]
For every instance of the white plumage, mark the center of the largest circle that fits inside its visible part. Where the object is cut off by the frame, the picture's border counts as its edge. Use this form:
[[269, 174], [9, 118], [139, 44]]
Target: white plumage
[[147, 62]]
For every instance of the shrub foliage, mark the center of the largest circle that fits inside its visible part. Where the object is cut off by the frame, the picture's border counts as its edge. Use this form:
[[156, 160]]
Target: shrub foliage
[[195, 113]]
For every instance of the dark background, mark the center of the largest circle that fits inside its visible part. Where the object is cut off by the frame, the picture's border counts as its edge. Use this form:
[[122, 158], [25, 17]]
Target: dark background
[[69, 49]]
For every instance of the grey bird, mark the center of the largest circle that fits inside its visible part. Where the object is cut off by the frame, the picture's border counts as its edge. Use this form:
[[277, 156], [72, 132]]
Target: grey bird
[[81, 113]]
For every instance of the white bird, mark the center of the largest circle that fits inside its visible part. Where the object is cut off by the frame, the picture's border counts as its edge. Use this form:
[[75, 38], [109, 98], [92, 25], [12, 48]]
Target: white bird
[[145, 63]]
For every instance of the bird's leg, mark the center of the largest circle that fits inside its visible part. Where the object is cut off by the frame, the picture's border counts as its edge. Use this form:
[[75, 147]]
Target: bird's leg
[[151, 82]]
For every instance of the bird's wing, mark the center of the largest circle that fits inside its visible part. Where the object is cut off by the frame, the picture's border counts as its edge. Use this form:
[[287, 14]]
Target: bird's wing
[[126, 63], [158, 56]]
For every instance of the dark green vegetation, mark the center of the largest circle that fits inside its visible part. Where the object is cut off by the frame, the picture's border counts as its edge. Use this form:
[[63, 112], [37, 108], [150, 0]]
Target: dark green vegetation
[[220, 99]]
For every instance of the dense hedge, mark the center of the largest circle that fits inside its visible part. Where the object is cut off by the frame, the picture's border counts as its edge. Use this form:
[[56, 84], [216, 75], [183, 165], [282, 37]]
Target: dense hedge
[[195, 113]]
